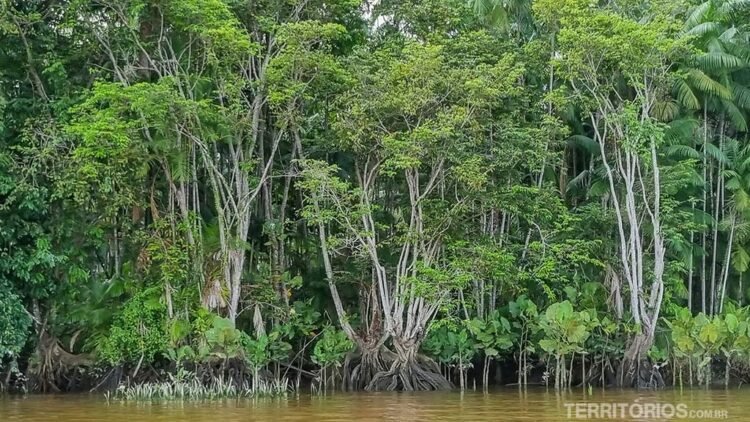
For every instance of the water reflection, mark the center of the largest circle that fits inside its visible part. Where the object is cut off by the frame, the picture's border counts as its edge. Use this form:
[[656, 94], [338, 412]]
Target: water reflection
[[498, 405]]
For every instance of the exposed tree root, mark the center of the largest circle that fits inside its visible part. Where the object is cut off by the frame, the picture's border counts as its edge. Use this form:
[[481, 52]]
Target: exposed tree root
[[109, 381], [410, 372], [361, 367], [636, 370], [52, 363]]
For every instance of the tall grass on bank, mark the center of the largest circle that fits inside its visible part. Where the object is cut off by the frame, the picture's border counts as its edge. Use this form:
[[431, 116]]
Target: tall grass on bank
[[193, 389]]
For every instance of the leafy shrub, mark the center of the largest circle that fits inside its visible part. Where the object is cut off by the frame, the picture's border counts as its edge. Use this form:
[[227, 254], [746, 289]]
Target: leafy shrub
[[331, 348], [565, 330], [138, 332], [698, 340], [14, 323], [454, 345], [264, 349], [493, 336], [222, 340]]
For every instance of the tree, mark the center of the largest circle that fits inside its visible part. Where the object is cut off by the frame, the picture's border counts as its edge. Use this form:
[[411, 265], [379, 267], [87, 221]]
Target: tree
[[398, 123], [619, 84]]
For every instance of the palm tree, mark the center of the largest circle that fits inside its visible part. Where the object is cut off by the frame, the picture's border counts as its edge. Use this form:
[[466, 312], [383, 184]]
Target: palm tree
[[738, 220], [713, 82], [512, 16], [709, 77]]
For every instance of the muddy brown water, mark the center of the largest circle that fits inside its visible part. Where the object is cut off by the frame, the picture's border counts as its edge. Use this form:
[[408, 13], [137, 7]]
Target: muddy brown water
[[507, 404]]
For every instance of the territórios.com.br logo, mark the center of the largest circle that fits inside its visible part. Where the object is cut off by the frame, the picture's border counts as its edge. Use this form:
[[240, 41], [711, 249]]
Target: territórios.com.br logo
[[641, 410]]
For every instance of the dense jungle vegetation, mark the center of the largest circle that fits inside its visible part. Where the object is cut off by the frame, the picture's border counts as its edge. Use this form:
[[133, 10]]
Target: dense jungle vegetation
[[207, 197]]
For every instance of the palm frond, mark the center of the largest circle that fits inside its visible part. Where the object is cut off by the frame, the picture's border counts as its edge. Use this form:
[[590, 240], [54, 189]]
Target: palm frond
[[491, 11], [577, 183], [715, 153], [740, 257], [741, 204], [742, 231], [700, 217], [685, 95], [584, 142], [733, 181], [732, 7], [681, 130], [714, 45], [728, 34], [682, 151], [739, 49], [666, 111], [705, 28], [707, 85], [744, 162], [694, 179], [741, 96], [600, 172], [599, 188], [735, 115], [680, 247], [731, 148], [719, 61], [697, 15], [481, 7]]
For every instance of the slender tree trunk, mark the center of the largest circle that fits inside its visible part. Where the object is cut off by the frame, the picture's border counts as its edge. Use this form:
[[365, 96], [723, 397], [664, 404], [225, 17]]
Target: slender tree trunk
[[714, 250], [705, 205], [741, 297], [726, 269], [690, 272]]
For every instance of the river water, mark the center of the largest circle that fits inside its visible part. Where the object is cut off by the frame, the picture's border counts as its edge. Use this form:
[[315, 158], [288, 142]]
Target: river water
[[497, 405]]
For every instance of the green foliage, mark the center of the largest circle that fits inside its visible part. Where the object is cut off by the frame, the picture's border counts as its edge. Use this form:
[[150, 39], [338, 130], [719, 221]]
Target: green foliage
[[565, 330], [222, 340], [331, 348], [138, 331], [737, 338], [525, 322], [493, 336], [452, 344], [186, 386], [216, 338], [698, 340], [14, 323], [264, 349], [213, 23], [302, 323], [178, 174]]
